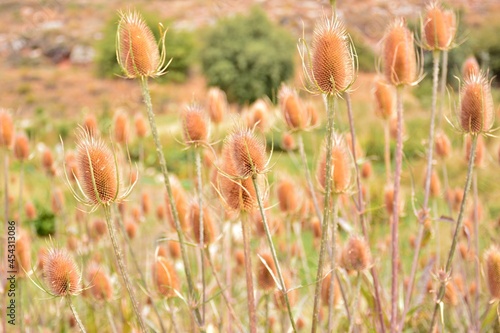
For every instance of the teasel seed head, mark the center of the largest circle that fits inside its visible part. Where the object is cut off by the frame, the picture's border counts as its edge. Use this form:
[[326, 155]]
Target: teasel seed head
[[90, 124], [181, 203], [217, 105], [265, 279], [470, 67], [331, 68], [288, 142], [208, 223], [442, 145], [174, 248], [137, 51], [476, 105], [23, 253], [435, 189], [99, 228], [325, 290], [71, 165], [101, 287], [30, 210], [492, 261], [385, 99], [247, 153], [195, 125], [439, 27], [131, 228], [399, 57], [288, 195], [61, 273], [47, 160], [121, 127], [258, 116], [312, 115], [366, 170], [6, 129], [165, 277], [279, 298], [57, 201], [141, 126], [160, 212], [356, 254], [21, 147], [294, 112], [341, 167]]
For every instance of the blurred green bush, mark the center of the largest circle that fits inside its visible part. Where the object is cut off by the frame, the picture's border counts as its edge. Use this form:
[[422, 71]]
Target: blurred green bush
[[180, 46], [248, 57]]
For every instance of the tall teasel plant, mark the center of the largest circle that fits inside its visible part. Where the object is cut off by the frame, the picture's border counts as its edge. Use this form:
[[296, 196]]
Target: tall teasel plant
[[438, 34], [329, 69], [476, 116], [140, 57], [401, 68]]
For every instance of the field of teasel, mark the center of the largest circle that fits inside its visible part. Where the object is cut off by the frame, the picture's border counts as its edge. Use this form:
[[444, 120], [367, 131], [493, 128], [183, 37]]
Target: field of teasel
[[278, 220]]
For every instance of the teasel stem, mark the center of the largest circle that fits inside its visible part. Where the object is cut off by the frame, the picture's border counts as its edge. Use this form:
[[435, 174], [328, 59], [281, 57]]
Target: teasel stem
[[395, 215], [476, 241], [425, 208], [232, 313], [266, 313], [202, 232], [458, 226], [136, 264], [333, 257], [344, 297], [173, 207], [171, 312], [248, 271], [330, 109], [446, 188], [300, 143], [110, 318], [387, 150], [122, 267], [442, 87], [273, 252], [21, 181], [75, 314], [360, 206], [355, 302]]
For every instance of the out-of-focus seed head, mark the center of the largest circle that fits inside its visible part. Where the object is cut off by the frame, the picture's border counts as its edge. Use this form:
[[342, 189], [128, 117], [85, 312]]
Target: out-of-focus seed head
[[476, 105], [195, 125], [21, 147], [385, 99], [356, 254], [288, 142], [121, 127], [341, 167], [208, 223], [181, 203], [136, 49], [61, 273], [165, 278], [30, 210], [399, 58], [265, 279], [90, 124], [295, 114], [57, 201], [47, 160], [492, 261], [435, 189], [145, 203], [131, 228], [247, 153], [325, 290], [101, 287], [331, 68], [442, 145], [288, 195], [99, 228], [439, 27], [479, 158], [23, 253], [258, 116], [279, 299], [6, 129], [174, 248], [312, 115], [217, 105], [366, 170], [71, 165], [141, 127], [160, 212], [470, 67]]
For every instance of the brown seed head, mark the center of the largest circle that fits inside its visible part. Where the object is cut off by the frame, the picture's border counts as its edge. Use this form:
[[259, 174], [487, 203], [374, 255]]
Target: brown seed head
[[356, 254], [470, 67], [145, 203], [30, 210], [399, 58], [366, 170], [333, 64], [312, 115], [47, 159], [90, 124], [160, 212], [492, 261], [194, 124], [23, 253], [21, 147], [341, 167], [265, 280], [476, 105], [100, 283], [174, 248], [141, 127], [217, 105], [121, 127], [131, 228], [99, 228], [137, 51], [385, 99], [293, 111], [439, 27], [61, 273], [258, 116], [6, 129], [181, 203], [247, 153], [208, 223], [96, 169], [165, 277], [288, 142], [325, 290], [442, 145], [287, 195], [435, 189], [279, 299], [71, 165]]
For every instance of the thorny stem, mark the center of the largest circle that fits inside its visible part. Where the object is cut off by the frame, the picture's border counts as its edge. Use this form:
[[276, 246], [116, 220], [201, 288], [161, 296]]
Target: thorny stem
[[476, 240], [202, 232], [442, 88], [330, 109], [248, 270], [360, 206], [333, 256], [173, 207], [387, 150], [395, 215], [458, 226], [355, 302], [425, 208], [136, 264], [273, 252], [75, 314], [308, 175], [123, 269]]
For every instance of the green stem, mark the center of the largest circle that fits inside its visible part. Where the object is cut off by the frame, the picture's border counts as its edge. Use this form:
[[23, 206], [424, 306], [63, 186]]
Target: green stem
[[308, 176], [173, 207], [248, 273], [332, 262], [355, 302], [201, 232], [458, 226], [122, 268], [273, 252], [330, 107], [75, 314]]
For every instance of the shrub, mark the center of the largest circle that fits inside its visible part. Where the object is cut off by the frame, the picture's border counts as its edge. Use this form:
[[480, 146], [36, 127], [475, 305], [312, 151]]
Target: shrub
[[45, 222], [180, 46], [248, 57]]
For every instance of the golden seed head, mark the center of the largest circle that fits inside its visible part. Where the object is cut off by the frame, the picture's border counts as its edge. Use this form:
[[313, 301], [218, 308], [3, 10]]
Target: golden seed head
[[121, 127], [96, 169], [385, 99], [208, 223], [247, 153], [6, 128], [137, 51], [439, 27], [217, 105], [476, 105], [341, 167], [141, 127], [265, 280], [100, 283], [442, 145], [21, 147], [165, 278], [492, 261], [399, 58], [470, 67], [333, 63], [61, 273], [356, 254], [194, 124], [293, 111]]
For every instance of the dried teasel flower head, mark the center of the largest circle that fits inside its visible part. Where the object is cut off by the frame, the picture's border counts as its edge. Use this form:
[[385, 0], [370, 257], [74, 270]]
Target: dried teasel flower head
[[101, 287], [279, 298], [90, 123], [23, 252], [399, 57], [21, 147], [195, 125], [141, 126], [217, 105], [121, 127], [442, 145], [476, 111], [492, 262], [356, 254], [288, 142], [181, 204], [6, 129], [61, 273], [295, 114], [208, 223], [265, 271], [136, 50], [331, 67], [288, 195], [71, 165], [341, 167], [438, 27], [325, 290], [470, 67], [385, 99], [47, 160], [165, 277], [257, 116]]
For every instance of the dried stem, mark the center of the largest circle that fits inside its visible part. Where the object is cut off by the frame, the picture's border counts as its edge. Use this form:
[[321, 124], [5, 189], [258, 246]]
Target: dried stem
[[308, 176], [333, 257], [249, 277], [387, 150], [458, 226], [75, 314], [273, 252], [330, 108], [173, 207], [122, 268], [355, 302], [476, 319], [199, 188], [425, 208], [442, 87]]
